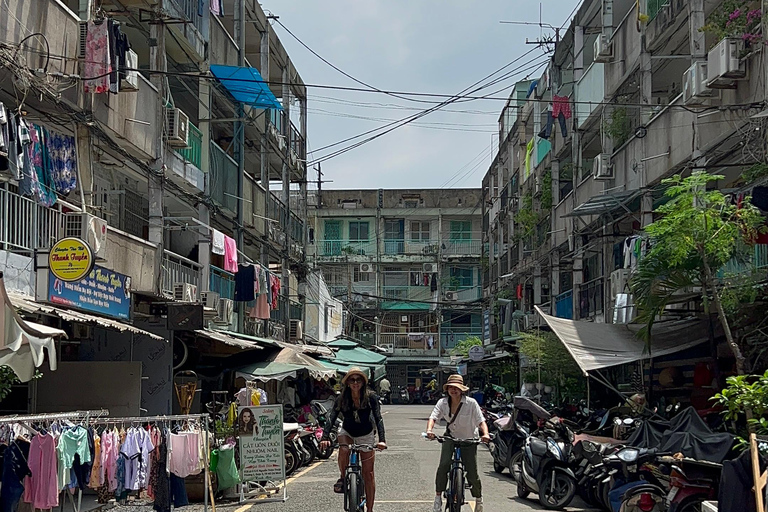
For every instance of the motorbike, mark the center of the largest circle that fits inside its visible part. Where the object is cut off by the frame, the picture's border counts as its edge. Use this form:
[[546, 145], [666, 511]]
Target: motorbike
[[429, 396], [633, 486], [691, 482], [507, 443], [544, 468], [403, 396], [292, 447]]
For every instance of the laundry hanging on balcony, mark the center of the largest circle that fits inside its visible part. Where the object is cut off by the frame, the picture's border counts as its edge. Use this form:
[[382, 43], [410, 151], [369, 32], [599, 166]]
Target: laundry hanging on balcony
[[106, 56], [230, 254], [246, 85]]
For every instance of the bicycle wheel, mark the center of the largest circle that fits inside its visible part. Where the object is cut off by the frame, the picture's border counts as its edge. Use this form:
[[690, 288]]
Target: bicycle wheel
[[456, 497], [353, 498]]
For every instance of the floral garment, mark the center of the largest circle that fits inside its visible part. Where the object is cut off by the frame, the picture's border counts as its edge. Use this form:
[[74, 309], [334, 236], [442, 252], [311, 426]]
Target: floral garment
[[63, 161], [36, 178], [97, 61]]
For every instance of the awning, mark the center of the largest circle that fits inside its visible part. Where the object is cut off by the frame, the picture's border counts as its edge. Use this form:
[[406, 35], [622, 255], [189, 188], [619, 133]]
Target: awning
[[343, 368], [316, 369], [308, 349], [596, 345], [225, 338], [405, 306], [22, 343], [605, 203], [246, 85], [269, 370], [29, 305]]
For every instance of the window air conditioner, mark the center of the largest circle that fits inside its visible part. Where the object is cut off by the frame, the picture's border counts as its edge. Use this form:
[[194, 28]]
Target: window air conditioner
[[725, 65], [694, 84], [619, 279], [177, 127], [451, 296], [296, 331], [131, 80], [226, 311], [90, 228], [367, 267], [602, 168], [388, 348], [603, 49], [184, 292], [430, 268], [210, 300]]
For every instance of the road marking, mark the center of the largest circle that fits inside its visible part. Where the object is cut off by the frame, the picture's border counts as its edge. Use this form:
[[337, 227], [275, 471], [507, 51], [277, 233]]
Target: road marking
[[244, 508], [406, 501], [472, 505]]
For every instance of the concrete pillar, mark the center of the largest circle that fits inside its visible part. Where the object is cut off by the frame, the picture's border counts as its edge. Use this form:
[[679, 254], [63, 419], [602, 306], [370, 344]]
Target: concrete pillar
[[286, 180], [264, 154], [204, 244], [84, 163], [159, 63]]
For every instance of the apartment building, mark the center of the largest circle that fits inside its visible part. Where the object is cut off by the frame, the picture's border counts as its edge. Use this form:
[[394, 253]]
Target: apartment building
[[201, 134], [634, 93], [407, 264]]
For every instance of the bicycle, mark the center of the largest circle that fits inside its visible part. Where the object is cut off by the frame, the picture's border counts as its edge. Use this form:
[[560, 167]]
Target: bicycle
[[354, 486], [454, 495]]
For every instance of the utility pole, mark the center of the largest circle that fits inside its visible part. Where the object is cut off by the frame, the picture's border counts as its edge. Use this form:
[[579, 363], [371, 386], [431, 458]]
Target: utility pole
[[159, 64], [240, 147]]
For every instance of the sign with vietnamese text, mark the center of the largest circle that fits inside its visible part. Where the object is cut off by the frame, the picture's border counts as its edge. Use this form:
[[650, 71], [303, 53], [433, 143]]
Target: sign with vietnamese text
[[262, 452], [103, 291], [70, 259], [476, 353], [486, 327]]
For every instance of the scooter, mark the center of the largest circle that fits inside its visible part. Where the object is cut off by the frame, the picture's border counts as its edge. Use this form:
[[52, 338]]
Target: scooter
[[544, 467], [507, 443], [633, 486]]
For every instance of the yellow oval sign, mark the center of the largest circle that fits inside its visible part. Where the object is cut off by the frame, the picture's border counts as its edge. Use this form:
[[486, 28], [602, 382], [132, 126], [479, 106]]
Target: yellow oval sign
[[70, 259]]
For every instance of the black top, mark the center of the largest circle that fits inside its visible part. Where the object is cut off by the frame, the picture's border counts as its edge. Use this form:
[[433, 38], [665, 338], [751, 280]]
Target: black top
[[366, 419]]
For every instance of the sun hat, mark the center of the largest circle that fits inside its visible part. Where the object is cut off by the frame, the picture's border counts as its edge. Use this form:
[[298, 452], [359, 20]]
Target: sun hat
[[355, 371], [457, 381]]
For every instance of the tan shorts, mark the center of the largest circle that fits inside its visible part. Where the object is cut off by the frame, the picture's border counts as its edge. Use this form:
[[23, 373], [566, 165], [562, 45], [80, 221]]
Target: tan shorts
[[369, 439]]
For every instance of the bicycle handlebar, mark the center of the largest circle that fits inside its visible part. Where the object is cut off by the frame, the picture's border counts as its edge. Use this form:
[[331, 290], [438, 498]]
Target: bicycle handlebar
[[360, 447], [454, 439]]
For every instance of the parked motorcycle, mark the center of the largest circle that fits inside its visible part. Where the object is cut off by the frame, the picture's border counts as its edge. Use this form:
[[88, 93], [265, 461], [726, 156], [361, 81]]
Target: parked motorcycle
[[634, 488], [691, 482], [293, 453], [507, 443], [544, 467]]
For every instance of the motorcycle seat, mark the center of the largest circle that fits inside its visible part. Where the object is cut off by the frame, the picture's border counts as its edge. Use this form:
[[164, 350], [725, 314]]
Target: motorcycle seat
[[538, 447]]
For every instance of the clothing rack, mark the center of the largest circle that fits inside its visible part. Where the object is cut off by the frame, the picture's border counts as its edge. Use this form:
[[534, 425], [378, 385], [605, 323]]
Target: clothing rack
[[53, 416], [202, 417]]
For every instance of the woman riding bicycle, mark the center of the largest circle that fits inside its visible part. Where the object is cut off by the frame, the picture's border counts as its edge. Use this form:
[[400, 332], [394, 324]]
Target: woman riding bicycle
[[464, 418], [359, 408]]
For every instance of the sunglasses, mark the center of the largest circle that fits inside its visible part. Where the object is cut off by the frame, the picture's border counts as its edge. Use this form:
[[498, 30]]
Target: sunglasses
[[355, 379]]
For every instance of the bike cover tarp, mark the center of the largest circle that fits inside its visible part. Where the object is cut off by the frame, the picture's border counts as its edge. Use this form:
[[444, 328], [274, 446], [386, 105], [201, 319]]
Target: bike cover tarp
[[525, 404], [686, 433]]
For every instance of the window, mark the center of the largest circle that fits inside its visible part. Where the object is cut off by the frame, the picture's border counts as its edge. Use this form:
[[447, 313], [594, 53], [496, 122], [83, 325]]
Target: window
[[358, 231], [461, 230], [461, 277], [360, 277], [420, 231], [411, 204]]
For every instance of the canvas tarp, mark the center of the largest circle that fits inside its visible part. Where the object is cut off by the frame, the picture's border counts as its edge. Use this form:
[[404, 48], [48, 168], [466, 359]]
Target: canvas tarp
[[596, 345], [286, 363]]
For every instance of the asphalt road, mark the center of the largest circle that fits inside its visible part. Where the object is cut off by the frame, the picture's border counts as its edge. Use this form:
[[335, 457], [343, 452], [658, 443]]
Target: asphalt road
[[405, 476]]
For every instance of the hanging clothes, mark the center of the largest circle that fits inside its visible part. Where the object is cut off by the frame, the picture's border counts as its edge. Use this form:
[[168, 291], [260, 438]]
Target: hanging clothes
[[4, 139], [528, 154], [40, 487], [230, 254], [15, 470], [217, 242], [72, 442], [63, 161], [275, 286], [261, 309], [37, 167], [433, 283], [561, 104], [136, 450], [97, 58], [216, 7], [15, 148], [269, 288], [122, 46], [114, 81], [161, 486], [97, 475], [244, 283]]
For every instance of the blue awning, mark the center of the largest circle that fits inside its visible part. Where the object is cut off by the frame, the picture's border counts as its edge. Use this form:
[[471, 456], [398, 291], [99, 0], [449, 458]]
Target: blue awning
[[246, 85]]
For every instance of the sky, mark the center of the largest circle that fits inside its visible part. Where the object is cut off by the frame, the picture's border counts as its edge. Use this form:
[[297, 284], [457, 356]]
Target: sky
[[424, 46]]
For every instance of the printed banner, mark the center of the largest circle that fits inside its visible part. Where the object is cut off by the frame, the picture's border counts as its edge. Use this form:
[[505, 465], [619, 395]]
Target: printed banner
[[262, 454], [104, 292]]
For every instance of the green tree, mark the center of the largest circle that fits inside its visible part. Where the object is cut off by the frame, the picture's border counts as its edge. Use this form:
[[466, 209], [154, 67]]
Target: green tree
[[698, 232], [462, 347], [558, 368], [7, 380]]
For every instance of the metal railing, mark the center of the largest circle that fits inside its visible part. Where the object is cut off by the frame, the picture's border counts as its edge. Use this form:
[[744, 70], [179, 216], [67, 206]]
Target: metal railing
[[178, 269], [193, 153], [653, 7], [462, 247], [346, 247], [423, 342], [25, 225], [450, 336], [296, 311], [564, 305], [395, 293], [223, 178], [193, 11], [591, 298], [222, 282], [756, 260]]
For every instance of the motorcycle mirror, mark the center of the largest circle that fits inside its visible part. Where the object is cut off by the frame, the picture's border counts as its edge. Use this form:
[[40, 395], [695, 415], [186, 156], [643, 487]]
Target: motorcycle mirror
[[628, 421]]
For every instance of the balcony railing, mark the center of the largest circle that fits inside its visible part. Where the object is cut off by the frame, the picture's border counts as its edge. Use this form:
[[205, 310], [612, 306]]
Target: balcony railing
[[339, 292], [450, 336], [406, 293], [281, 314], [470, 247], [178, 269], [346, 247], [193, 153], [411, 343], [26, 225], [296, 311], [757, 259], [591, 298], [223, 178], [564, 305], [222, 282], [589, 92], [193, 11]]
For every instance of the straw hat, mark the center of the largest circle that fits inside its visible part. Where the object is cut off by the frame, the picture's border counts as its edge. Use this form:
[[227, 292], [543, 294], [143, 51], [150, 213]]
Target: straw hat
[[355, 371], [457, 381]]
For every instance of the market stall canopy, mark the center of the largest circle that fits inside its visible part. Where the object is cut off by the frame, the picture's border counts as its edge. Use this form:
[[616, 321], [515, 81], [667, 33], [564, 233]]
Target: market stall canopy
[[316, 369], [224, 337], [596, 345], [350, 353], [343, 368], [286, 363], [246, 85], [23, 343], [309, 349]]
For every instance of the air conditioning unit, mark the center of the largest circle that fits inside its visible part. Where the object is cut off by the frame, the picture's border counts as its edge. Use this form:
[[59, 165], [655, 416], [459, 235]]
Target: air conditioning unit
[[388, 348], [131, 80], [90, 228], [603, 49], [724, 64], [403, 319], [602, 168], [695, 84], [83, 37], [451, 296], [367, 267], [430, 268], [210, 300], [226, 311], [619, 279], [184, 292], [177, 127], [296, 331]]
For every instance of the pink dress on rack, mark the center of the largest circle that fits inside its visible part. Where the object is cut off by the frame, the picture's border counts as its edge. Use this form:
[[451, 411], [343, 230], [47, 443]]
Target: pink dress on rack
[[41, 489]]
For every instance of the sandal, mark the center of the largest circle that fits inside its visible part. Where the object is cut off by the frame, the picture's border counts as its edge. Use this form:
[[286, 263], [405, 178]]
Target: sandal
[[338, 487]]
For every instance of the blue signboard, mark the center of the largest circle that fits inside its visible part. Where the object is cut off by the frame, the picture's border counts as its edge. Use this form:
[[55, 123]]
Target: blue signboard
[[104, 292]]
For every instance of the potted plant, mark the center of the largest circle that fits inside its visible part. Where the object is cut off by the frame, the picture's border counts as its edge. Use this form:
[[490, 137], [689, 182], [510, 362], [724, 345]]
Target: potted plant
[[737, 19]]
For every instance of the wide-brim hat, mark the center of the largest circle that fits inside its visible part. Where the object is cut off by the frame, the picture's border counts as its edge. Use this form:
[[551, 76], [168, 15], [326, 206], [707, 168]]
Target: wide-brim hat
[[456, 381], [355, 371]]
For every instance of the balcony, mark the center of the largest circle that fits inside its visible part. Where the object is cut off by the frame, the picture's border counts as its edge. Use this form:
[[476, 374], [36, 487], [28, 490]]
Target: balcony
[[410, 344], [178, 269], [194, 152], [564, 305], [395, 247], [346, 248], [26, 225], [223, 177], [222, 282], [465, 293], [756, 260], [193, 35], [589, 92], [450, 336], [472, 247], [406, 293], [591, 298]]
